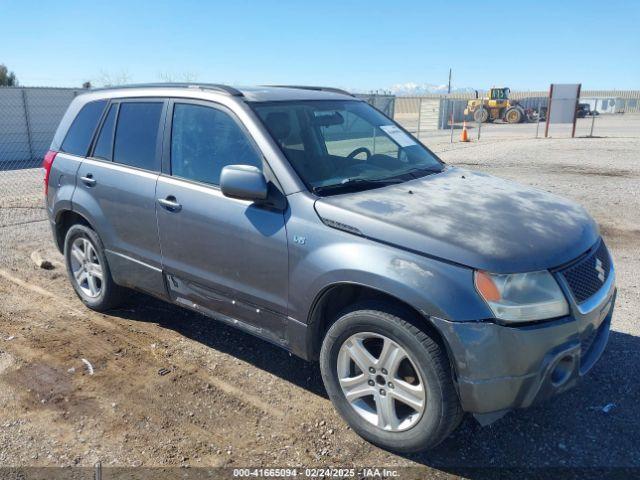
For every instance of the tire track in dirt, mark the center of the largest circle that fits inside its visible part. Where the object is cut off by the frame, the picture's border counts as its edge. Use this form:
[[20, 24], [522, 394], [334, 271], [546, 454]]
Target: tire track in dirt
[[196, 406], [42, 381], [259, 417], [102, 348]]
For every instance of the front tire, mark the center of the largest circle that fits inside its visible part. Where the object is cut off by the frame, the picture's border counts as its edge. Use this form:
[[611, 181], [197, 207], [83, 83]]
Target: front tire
[[88, 270], [481, 115], [389, 379]]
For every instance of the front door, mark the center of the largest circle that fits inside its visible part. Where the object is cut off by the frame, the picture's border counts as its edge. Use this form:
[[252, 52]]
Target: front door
[[221, 255]]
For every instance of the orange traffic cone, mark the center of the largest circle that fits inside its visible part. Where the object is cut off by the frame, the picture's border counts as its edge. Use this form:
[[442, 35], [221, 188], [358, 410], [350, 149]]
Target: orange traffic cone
[[465, 135]]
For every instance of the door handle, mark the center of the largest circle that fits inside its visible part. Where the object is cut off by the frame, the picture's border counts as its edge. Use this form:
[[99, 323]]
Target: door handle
[[170, 203], [88, 180]]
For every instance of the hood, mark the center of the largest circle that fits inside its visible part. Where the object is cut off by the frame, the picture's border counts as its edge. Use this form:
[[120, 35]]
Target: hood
[[468, 218]]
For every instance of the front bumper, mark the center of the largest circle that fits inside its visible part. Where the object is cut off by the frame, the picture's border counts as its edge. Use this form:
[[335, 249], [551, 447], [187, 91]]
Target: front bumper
[[499, 368]]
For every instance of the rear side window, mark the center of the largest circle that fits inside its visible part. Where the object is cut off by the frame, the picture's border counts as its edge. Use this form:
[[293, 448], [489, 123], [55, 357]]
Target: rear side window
[[137, 134], [81, 131], [104, 145], [204, 140]]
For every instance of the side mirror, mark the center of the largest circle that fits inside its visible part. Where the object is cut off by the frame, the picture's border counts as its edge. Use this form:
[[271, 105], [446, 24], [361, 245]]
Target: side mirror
[[244, 182]]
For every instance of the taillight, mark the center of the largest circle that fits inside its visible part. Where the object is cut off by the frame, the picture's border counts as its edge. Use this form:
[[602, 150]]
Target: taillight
[[47, 163]]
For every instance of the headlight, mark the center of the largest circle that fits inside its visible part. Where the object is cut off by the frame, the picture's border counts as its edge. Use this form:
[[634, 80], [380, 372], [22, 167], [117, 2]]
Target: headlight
[[522, 297]]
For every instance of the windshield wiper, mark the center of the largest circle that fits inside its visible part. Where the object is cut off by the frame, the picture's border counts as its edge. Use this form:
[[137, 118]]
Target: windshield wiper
[[357, 183], [424, 170]]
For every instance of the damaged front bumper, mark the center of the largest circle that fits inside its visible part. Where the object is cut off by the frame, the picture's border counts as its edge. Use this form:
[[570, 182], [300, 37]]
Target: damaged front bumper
[[500, 368]]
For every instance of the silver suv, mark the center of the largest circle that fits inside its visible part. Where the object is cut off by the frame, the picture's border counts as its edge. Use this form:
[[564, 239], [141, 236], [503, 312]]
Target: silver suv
[[308, 218]]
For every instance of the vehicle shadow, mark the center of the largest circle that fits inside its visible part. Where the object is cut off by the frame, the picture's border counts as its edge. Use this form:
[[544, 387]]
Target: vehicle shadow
[[592, 425]]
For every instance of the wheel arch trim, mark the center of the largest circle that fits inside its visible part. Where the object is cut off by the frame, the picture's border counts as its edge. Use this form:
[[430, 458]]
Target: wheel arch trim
[[60, 224], [317, 325]]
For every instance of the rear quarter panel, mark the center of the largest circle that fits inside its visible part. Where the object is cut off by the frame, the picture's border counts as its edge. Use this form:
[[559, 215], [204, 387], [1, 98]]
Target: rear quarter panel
[[62, 178], [62, 184]]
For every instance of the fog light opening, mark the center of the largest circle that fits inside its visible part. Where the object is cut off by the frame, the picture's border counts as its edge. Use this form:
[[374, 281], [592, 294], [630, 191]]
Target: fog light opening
[[562, 371]]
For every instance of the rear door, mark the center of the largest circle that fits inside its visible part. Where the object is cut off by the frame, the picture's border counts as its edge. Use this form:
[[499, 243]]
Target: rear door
[[221, 255], [116, 190]]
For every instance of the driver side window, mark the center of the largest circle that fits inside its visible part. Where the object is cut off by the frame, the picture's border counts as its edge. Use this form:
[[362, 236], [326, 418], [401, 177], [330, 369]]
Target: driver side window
[[204, 140]]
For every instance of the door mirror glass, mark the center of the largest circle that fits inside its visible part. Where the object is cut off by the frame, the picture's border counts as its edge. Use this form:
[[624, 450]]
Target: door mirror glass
[[244, 182]]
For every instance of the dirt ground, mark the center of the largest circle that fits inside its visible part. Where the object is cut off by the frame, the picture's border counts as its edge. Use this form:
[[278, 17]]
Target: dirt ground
[[154, 385]]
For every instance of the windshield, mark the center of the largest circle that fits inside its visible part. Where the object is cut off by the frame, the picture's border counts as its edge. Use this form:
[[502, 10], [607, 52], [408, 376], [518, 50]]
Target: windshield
[[338, 145], [499, 93]]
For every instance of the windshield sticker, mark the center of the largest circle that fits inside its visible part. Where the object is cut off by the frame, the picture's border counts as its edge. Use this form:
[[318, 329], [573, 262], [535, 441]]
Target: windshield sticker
[[398, 135]]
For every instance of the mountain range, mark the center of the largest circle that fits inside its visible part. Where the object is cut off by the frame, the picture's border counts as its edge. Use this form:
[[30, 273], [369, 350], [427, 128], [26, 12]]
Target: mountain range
[[413, 88]]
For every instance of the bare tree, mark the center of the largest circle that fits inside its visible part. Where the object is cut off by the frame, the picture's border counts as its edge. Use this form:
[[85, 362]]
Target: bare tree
[[86, 85], [107, 79], [186, 77], [7, 78]]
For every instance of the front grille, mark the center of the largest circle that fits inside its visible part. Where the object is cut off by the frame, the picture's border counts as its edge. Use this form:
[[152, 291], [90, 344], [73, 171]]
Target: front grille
[[585, 277]]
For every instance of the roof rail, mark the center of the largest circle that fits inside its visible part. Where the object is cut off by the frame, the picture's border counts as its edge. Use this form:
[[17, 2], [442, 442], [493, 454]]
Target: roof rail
[[203, 86], [309, 87]]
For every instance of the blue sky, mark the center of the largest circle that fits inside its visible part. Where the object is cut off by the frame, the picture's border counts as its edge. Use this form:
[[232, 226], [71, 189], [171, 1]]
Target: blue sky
[[360, 45]]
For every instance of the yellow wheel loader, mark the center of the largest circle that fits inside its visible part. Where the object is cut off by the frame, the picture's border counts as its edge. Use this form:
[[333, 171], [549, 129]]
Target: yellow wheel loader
[[497, 106]]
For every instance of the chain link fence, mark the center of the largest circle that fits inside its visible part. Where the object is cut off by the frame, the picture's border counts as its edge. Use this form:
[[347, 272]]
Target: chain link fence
[[384, 103], [436, 119], [28, 120]]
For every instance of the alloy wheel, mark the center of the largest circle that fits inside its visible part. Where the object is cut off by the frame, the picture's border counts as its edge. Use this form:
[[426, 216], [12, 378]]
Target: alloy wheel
[[86, 268], [380, 381]]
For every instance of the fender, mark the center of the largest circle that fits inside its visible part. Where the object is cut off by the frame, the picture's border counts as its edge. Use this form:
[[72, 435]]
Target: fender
[[425, 284], [330, 256]]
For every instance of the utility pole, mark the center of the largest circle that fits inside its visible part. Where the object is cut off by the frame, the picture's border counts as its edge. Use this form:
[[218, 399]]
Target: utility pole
[[481, 106], [449, 87], [593, 118]]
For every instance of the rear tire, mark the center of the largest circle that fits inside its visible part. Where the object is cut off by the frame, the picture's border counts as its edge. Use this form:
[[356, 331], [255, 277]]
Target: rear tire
[[88, 270], [421, 423], [513, 115]]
